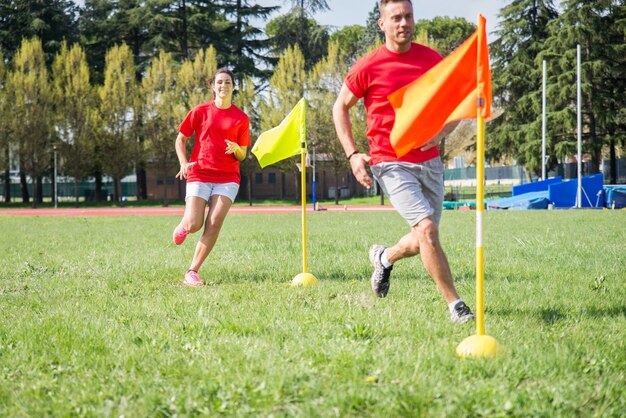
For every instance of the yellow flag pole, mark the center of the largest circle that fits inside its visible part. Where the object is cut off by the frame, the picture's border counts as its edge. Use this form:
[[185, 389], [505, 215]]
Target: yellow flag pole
[[480, 345], [304, 278], [480, 210], [303, 196]]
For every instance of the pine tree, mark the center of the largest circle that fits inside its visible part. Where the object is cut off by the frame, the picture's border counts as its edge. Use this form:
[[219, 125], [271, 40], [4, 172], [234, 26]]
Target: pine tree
[[75, 115], [285, 90], [599, 28], [162, 112], [31, 105], [193, 81], [325, 82], [310, 6], [104, 24], [349, 39], [118, 146], [517, 82], [445, 34], [294, 28], [5, 136], [373, 36], [246, 100], [51, 21], [184, 27], [245, 46]]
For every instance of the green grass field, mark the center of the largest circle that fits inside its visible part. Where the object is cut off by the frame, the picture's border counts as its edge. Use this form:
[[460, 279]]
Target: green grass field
[[94, 320]]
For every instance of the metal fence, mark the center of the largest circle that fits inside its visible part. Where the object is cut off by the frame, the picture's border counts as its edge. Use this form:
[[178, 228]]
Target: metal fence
[[515, 174], [499, 181], [67, 191]]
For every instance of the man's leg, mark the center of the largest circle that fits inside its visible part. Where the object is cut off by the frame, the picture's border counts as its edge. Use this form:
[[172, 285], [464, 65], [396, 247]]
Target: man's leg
[[424, 240]]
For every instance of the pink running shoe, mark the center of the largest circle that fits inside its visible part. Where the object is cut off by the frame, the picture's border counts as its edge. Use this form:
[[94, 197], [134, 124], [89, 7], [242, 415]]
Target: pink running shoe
[[180, 233], [192, 279]]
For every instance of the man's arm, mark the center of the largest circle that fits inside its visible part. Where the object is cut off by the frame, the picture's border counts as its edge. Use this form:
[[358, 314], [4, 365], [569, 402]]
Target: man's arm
[[341, 117], [435, 140]]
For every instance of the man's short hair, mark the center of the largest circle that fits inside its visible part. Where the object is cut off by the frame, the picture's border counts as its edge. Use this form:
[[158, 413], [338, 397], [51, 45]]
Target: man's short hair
[[383, 3]]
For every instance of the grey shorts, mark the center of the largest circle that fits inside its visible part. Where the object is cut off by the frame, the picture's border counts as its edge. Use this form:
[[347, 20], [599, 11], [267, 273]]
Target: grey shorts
[[414, 189]]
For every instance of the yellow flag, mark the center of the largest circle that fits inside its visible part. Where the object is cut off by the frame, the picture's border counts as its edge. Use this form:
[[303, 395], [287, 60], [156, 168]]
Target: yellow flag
[[285, 140]]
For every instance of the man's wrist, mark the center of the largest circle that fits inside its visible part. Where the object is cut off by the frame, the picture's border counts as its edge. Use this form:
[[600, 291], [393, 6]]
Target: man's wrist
[[349, 157]]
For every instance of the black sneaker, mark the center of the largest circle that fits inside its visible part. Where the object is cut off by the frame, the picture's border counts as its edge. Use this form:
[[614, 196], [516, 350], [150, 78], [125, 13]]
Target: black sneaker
[[461, 313], [380, 276]]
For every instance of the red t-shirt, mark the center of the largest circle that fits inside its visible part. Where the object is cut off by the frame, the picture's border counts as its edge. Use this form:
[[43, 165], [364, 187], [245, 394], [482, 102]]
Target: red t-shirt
[[213, 126], [373, 78]]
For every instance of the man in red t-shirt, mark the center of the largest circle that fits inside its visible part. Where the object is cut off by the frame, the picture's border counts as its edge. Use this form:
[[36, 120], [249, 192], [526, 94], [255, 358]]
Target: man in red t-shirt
[[222, 138], [413, 183]]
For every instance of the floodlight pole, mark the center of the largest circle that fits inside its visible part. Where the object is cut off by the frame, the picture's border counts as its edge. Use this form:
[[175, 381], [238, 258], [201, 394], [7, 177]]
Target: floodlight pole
[[54, 148], [313, 183], [543, 125], [579, 196]]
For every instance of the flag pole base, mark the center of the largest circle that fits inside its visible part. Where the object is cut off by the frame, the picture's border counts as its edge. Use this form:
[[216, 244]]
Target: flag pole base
[[304, 279], [479, 346]]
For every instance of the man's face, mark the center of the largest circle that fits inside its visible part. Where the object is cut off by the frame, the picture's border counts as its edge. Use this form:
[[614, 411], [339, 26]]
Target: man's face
[[397, 22]]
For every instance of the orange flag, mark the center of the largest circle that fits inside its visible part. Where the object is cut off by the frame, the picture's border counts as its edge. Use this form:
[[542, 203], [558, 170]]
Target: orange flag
[[452, 90]]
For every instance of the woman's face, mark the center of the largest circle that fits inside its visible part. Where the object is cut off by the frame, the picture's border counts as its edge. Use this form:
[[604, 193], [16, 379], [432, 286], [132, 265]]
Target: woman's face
[[223, 86]]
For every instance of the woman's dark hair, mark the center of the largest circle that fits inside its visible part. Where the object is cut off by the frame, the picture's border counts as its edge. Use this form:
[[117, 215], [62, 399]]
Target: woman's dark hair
[[223, 70]]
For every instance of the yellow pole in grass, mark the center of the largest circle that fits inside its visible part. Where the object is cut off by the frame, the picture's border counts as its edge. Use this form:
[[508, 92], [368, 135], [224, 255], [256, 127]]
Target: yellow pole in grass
[[304, 278], [480, 345], [480, 211]]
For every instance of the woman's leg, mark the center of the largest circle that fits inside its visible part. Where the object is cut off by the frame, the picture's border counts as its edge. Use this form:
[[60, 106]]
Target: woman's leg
[[218, 209], [192, 221], [193, 218]]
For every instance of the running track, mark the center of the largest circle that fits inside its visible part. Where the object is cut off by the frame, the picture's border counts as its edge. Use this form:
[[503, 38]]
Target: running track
[[147, 211]]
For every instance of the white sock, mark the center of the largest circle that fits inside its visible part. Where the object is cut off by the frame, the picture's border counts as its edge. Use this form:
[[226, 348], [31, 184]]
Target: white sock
[[385, 262], [451, 305]]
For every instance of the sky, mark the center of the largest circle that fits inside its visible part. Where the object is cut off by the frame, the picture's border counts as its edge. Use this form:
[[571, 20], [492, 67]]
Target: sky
[[354, 12]]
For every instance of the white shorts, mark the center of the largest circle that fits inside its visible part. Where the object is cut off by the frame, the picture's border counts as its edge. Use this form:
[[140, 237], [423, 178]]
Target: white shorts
[[206, 190]]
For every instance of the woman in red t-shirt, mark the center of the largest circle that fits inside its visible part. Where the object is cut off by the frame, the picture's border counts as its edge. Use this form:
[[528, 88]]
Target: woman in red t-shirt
[[212, 172]]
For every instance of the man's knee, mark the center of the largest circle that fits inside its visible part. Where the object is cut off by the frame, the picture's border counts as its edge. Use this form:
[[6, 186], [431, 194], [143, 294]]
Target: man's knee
[[428, 232]]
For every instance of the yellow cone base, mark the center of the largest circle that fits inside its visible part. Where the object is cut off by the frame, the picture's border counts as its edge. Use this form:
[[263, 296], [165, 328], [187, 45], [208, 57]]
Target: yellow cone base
[[304, 279], [479, 346]]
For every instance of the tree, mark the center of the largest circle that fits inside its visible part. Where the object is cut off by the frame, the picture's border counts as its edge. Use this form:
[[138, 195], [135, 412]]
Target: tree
[[162, 111], [51, 21], [75, 115], [372, 35], [193, 81], [5, 143], [285, 90], [310, 6], [104, 24], [445, 34], [599, 27], [246, 100], [295, 29], [118, 146], [244, 48], [517, 82], [31, 102], [349, 40], [184, 27], [325, 82]]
